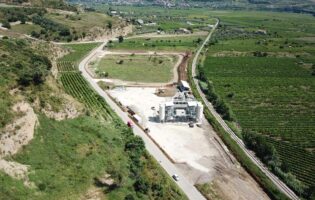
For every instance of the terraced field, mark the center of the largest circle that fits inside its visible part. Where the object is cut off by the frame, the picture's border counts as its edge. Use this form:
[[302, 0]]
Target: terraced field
[[265, 74]]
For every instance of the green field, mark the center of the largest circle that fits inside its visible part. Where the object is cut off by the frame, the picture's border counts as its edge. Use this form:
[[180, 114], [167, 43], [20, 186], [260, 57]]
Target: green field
[[25, 28], [137, 68], [182, 44], [266, 80]]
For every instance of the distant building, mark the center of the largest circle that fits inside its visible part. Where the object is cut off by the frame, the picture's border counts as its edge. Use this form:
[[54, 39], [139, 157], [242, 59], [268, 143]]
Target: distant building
[[151, 24], [261, 31], [189, 23], [140, 21], [183, 30], [113, 12], [182, 108]]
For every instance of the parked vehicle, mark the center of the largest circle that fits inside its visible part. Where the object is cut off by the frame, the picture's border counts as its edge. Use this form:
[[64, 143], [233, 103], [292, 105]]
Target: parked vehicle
[[191, 124], [175, 177]]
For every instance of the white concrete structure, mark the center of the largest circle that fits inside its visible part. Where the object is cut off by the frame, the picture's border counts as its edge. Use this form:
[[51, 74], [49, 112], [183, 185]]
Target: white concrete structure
[[182, 108]]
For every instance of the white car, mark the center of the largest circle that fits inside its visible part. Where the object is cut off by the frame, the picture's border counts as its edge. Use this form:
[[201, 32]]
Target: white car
[[175, 177]]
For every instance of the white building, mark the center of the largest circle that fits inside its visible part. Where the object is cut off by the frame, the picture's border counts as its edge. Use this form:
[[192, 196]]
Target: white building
[[140, 21], [182, 108]]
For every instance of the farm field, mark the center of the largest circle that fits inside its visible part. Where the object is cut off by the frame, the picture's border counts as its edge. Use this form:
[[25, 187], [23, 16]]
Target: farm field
[[182, 44], [265, 75], [137, 68]]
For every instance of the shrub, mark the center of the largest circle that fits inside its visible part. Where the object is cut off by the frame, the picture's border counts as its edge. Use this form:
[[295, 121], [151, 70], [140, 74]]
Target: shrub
[[120, 39], [142, 185], [6, 24]]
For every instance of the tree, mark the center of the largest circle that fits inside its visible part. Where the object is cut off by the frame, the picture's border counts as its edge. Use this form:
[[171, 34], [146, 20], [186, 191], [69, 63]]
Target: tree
[[64, 32], [120, 39], [199, 40]]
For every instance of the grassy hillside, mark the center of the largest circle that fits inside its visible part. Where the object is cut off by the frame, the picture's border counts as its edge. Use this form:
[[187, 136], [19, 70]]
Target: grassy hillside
[[21, 67], [53, 24], [261, 68], [67, 158]]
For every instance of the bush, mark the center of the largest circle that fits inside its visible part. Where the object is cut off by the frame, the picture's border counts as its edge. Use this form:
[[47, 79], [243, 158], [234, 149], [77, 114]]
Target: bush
[[142, 185], [120, 39], [6, 24], [129, 197], [35, 34]]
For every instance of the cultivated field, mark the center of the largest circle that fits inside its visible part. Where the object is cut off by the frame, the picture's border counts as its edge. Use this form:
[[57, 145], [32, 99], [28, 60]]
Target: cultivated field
[[261, 66], [137, 68]]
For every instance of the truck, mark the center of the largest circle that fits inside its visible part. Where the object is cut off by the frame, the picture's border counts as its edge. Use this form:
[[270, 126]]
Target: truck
[[130, 124]]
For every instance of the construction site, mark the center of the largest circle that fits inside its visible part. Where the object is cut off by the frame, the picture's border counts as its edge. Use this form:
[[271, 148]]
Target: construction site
[[173, 119]]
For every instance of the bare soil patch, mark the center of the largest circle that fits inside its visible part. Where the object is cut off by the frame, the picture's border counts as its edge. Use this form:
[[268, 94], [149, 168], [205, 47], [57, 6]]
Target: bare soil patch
[[14, 136], [20, 132]]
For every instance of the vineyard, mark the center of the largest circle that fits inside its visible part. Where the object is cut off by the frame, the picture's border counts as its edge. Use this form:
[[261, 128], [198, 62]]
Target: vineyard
[[76, 85], [264, 75], [274, 97]]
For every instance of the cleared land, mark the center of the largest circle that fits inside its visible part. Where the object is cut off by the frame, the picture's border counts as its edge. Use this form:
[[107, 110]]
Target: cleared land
[[137, 68], [264, 74], [195, 151]]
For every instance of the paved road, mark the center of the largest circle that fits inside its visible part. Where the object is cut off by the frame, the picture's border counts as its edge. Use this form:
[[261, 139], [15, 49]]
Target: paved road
[[283, 187], [187, 187]]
